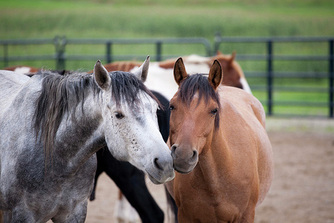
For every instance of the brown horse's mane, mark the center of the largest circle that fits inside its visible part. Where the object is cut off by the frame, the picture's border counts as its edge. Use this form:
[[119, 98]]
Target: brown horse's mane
[[198, 83]]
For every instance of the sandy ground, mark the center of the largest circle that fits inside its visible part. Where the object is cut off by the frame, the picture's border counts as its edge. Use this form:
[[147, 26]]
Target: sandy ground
[[303, 186]]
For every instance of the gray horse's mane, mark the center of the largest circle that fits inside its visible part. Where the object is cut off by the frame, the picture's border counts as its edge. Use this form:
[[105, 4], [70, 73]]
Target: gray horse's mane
[[61, 95]]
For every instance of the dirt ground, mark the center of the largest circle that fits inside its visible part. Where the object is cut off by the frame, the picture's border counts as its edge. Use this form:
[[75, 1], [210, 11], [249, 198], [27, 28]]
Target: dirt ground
[[303, 186]]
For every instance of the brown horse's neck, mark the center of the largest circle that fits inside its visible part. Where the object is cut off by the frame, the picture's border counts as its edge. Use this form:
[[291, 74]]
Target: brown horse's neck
[[214, 160]]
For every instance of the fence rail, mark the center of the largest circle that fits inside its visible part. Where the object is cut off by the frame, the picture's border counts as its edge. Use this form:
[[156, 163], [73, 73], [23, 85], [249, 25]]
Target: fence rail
[[270, 58], [60, 44], [270, 74]]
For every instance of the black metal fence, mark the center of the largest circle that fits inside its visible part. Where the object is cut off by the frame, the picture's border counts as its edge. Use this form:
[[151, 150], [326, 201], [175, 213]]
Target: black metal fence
[[61, 43], [269, 74]]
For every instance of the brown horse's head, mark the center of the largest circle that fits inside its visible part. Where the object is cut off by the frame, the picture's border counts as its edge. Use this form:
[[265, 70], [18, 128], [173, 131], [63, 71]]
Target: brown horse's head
[[195, 112]]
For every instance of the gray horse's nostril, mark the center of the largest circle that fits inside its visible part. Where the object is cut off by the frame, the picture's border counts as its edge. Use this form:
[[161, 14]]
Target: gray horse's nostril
[[156, 164]]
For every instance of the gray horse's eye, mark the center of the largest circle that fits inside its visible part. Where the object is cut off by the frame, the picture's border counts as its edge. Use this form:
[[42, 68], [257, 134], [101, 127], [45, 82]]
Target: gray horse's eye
[[119, 115]]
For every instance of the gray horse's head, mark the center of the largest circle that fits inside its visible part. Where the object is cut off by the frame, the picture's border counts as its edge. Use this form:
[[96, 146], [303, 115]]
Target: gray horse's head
[[129, 121]]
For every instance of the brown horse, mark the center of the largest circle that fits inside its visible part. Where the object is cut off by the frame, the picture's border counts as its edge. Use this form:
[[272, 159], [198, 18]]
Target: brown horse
[[27, 70], [218, 137]]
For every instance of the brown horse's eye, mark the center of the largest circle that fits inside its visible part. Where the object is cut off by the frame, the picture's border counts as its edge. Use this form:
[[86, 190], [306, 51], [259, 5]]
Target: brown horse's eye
[[214, 111], [171, 107]]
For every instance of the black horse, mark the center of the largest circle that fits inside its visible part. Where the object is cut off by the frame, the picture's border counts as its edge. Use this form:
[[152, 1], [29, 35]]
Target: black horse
[[130, 180]]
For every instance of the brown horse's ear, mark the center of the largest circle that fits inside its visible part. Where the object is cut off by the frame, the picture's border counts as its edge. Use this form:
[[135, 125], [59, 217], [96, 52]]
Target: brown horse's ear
[[215, 74], [180, 72], [219, 53], [230, 61]]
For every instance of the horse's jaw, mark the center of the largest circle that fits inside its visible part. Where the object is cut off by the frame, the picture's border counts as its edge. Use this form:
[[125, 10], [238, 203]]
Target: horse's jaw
[[165, 180], [158, 164], [139, 142], [161, 170]]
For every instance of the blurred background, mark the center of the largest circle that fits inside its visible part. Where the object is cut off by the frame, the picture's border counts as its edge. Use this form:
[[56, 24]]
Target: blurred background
[[285, 48]]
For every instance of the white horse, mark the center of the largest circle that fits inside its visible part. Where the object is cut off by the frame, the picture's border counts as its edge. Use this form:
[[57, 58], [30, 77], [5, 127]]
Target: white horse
[[161, 79], [51, 127]]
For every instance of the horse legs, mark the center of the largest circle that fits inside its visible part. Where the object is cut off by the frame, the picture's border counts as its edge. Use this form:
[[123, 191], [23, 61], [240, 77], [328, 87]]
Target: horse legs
[[99, 170], [124, 212], [6, 217], [131, 181], [140, 198], [171, 204]]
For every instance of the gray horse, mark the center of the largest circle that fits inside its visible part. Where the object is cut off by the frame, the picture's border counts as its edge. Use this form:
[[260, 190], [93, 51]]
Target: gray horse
[[52, 125]]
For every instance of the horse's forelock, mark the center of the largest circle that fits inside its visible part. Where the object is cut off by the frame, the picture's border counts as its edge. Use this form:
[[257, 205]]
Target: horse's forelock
[[198, 83], [126, 88]]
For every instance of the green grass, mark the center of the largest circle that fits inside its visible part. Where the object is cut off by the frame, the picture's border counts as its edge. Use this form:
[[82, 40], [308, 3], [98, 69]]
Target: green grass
[[47, 18], [21, 19]]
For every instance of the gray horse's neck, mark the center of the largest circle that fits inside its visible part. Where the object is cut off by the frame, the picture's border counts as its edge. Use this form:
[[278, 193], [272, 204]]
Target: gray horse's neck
[[77, 140], [78, 137]]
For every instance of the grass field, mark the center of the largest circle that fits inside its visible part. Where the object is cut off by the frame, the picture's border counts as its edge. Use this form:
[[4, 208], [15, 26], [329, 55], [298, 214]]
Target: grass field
[[21, 19], [148, 18]]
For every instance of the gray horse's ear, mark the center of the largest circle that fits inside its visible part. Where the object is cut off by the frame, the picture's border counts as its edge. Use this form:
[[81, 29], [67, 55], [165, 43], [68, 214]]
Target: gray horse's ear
[[101, 76], [180, 72], [215, 74], [142, 71]]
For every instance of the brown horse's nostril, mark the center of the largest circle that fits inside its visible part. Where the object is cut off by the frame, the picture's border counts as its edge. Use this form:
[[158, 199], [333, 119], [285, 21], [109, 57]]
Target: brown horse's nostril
[[156, 164], [173, 148], [194, 157]]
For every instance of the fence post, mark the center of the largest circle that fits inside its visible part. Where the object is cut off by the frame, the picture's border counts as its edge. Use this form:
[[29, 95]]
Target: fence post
[[217, 42], [158, 50], [270, 76], [331, 78], [60, 43], [109, 52]]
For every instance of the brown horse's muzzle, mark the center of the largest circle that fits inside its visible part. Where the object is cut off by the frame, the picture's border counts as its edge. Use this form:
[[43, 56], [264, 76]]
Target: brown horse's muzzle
[[184, 157]]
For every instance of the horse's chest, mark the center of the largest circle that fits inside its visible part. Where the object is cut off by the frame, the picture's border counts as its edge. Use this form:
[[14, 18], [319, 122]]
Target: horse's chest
[[198, 201], [207, 208], [56, 189]]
